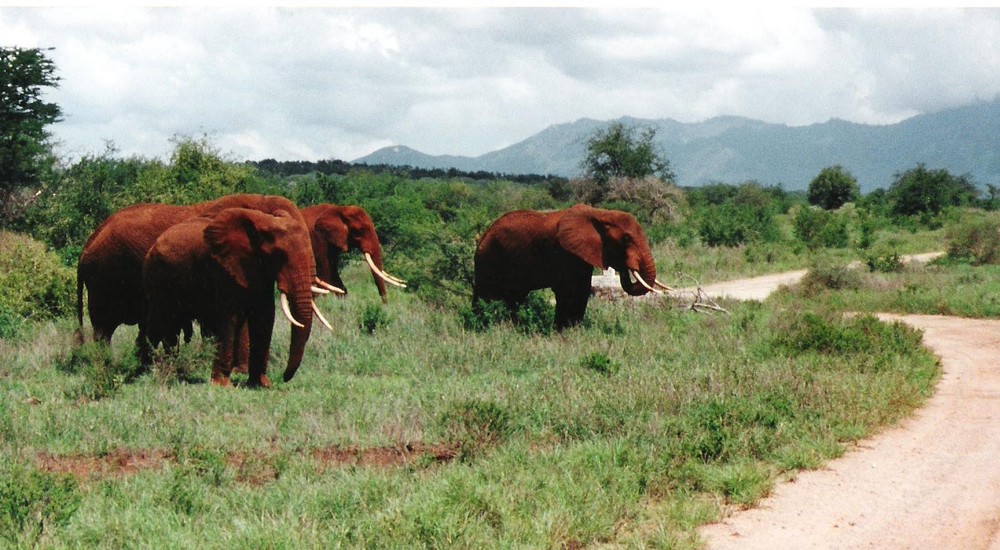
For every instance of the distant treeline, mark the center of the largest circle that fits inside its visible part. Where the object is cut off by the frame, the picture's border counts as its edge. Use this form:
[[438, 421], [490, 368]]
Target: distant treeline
[[286, 168]]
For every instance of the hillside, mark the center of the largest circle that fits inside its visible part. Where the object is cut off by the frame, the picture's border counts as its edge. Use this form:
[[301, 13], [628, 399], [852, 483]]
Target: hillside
[[734, 149]]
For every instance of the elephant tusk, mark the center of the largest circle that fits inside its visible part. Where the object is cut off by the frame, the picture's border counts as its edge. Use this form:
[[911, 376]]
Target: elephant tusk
[[385, 277], [329, 287], [663, 286], [645, 284], [287, 310], [318, 290], [321, 318]]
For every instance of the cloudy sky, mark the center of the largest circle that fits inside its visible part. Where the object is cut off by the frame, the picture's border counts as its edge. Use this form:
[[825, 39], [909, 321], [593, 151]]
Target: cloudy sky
[[310, 83]]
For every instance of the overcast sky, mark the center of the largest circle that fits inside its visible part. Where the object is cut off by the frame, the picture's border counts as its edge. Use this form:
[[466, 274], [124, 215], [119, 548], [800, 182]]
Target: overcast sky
[[311, 84]]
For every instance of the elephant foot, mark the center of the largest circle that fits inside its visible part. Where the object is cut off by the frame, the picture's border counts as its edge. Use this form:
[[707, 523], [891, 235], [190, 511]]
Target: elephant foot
[[220, 379], [262, 382], [241, 369]]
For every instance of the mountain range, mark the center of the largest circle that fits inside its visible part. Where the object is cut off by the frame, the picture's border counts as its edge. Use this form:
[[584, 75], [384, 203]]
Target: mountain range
[[729, 149]]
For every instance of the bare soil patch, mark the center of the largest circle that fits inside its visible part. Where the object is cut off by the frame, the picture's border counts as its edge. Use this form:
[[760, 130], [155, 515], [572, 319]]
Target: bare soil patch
[[253, 468]]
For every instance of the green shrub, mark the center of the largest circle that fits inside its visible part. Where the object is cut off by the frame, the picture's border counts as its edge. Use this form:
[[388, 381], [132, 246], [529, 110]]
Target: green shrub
[[536, 315], [977, 241], [34, 284], [819, 228], [799, 332], [888, 262], [33, 502], [733, 224], [103, 373], [373, 317], [829, 276], [600, 363], [189, 363], [484, 315]]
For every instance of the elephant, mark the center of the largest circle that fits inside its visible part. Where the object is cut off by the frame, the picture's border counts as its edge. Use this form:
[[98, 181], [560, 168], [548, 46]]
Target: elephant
[[110, 266], [221, 270], [336, 229], [527, 250]]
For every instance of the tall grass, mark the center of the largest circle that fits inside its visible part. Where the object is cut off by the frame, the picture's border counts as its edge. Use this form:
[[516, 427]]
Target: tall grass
[[632, 429]]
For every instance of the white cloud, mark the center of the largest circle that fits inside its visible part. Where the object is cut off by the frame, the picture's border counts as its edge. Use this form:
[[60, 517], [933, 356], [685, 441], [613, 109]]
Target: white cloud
[[318, 83]]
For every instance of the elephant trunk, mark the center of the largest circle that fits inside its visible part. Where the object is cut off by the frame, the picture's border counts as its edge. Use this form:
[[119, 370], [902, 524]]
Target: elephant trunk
[[376, 255], [646, 269], [302, 311]]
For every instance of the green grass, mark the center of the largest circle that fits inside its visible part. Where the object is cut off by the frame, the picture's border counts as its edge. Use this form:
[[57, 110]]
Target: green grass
[[632, 429], [707, 265]]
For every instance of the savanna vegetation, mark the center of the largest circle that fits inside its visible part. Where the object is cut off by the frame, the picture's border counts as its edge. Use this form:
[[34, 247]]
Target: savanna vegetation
[[420, 423]]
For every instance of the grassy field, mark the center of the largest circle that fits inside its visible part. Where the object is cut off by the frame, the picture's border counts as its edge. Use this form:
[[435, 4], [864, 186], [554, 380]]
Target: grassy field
[[403, 428]]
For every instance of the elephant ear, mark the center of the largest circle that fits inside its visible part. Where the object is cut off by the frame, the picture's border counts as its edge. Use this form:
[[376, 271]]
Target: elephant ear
[[232, 237], [578, 233], [333, 231]]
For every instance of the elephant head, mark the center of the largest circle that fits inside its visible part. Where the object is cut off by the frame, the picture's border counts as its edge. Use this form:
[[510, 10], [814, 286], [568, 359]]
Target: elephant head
[[337, 229], [610, 238], [257, 250]]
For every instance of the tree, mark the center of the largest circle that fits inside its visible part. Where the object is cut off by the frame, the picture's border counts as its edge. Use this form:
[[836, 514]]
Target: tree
[[832, 188], [620, 151], [23, 118], [919, 191]]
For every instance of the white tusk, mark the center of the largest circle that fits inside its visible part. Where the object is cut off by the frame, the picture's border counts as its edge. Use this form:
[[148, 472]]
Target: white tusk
[[645, 284], [288, 311], [318, 290], [663, 286], [321, 318], [387, 278], [328, 286]]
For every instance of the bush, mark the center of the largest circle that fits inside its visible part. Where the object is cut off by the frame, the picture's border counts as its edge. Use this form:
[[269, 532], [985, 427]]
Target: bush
[[534, 316], [373, 318], [977, 241], [827, 276], [32, 502], [799, 332], [34, 284], [734, 224], [820, 229], [600, 363], [103, 374]]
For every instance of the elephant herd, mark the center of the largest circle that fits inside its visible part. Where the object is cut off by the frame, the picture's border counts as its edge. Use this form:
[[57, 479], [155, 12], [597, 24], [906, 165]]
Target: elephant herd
[[217, 263]]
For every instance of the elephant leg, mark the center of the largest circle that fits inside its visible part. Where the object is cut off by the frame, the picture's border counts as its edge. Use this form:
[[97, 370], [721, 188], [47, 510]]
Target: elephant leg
[[226, 339], [241, 355], [571, 302], [260, 325]]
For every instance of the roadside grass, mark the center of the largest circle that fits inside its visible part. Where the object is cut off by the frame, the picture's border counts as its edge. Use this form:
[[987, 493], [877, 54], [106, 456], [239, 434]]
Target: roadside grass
[[632, 429], [714, 264], [941, 287]]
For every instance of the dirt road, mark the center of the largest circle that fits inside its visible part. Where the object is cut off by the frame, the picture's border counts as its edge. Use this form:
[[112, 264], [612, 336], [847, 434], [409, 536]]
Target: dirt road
[[932, 482]]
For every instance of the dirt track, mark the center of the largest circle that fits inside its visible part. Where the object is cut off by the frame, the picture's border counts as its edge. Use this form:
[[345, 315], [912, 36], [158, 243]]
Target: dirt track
[[932, 482]]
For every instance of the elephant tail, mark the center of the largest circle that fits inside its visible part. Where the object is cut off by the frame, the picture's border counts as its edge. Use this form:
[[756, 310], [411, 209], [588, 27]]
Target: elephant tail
[[79, 306]]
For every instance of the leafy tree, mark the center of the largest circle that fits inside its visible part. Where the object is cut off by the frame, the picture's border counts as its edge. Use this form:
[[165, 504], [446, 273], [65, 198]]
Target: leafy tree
[[24, 73], [922, 192], [620, 151], [832, 188], [819, 228]]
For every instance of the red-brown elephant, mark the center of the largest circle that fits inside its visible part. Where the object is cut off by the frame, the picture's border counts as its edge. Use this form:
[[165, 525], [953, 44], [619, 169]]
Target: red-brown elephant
[[221, 270], [337, 229], [526, 250], [110, 265]]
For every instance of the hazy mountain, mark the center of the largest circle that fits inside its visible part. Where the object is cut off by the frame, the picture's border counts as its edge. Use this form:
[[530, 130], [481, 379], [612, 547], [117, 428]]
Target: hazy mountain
[[728, 149]]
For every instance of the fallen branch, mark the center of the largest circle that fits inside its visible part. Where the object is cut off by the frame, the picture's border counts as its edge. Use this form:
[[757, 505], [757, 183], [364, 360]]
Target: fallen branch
[[701, 302]]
